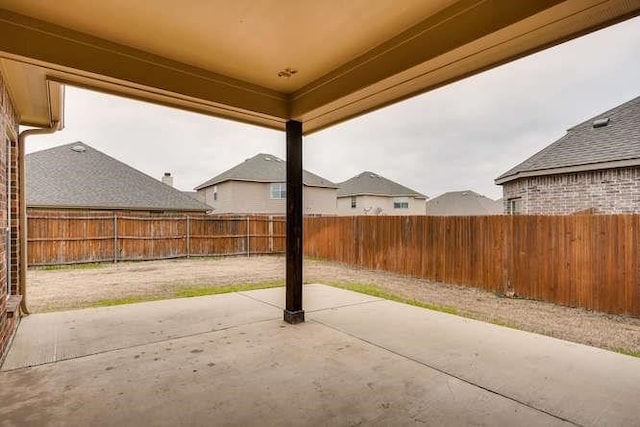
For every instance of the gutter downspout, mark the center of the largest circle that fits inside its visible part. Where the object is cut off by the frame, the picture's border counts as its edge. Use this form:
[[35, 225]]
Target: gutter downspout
[[22, 216]]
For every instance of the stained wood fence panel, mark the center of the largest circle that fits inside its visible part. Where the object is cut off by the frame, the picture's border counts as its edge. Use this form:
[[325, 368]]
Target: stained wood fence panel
[[589, 261], [81, 239], [59, 239]]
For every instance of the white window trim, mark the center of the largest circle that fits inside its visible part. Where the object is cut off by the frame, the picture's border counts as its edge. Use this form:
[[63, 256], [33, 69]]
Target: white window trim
[[281, 190], [400, 203]]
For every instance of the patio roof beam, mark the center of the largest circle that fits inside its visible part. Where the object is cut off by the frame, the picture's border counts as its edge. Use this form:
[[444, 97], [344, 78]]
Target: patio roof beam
[[82, 60], [293, 312]]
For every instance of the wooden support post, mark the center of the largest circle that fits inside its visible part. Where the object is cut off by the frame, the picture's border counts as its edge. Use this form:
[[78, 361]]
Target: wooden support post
[[293, 312]]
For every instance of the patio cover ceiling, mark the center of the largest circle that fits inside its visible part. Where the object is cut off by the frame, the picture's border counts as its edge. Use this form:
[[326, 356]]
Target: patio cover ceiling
[[268, 61]]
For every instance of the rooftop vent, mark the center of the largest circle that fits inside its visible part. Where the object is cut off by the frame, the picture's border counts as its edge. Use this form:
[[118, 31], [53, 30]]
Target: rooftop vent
[[79, 148], [267, 158], [600, 123]]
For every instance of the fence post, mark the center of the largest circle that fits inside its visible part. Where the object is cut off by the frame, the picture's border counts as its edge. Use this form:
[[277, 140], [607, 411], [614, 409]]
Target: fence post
[[356, 239], [248, 249], [188, 234], [115, 238], [153, 235], [270, 233]]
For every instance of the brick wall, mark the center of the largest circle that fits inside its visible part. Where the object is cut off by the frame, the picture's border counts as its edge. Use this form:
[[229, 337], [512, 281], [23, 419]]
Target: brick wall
[[8, 138], [607, 191]]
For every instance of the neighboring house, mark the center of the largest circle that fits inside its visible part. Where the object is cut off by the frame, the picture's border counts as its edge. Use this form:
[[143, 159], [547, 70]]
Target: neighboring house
[[77, 177], [463, 203], [595, 168], [258, 186], [371, 194]]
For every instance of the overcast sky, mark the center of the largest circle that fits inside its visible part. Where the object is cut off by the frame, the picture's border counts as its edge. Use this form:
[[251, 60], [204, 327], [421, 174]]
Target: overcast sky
[[458, 137]]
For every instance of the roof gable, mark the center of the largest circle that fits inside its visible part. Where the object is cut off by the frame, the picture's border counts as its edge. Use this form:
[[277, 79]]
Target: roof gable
[[78, 176], [264, 168], [588, 147], [372, 184]]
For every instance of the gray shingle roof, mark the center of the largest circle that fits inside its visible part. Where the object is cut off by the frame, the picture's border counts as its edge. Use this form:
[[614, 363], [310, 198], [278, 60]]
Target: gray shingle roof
[[372, 184], [463, 203], [264, 168], [585, 147], [78, 176]]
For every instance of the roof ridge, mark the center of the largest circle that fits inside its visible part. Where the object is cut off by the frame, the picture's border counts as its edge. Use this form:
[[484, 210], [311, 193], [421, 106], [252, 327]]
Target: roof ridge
[[251, 170], [610, 111], [357, 185], [585, 144]]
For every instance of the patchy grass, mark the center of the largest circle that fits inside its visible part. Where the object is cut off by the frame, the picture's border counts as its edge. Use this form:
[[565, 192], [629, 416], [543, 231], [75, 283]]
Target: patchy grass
[[502, 322], [375, 291], [632, 353], [125, 300], [87, 266], [187, 292]]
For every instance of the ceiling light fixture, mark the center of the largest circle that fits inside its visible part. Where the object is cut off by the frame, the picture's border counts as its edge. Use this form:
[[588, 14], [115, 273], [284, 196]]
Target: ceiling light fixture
[[287, 72]]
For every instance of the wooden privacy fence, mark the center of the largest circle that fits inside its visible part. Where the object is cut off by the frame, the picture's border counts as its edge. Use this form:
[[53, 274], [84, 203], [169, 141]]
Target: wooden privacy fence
[[81, 239], [585, 261], [588, 261]]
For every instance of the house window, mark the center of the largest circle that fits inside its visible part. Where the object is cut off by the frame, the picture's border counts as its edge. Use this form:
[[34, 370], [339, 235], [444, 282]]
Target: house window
[[215, 192], [278, 190], [400, 203], [514, 206], [354, 202]]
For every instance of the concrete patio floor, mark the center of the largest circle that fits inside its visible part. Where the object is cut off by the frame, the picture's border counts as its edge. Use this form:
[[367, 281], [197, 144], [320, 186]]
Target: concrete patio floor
[[358, 360]]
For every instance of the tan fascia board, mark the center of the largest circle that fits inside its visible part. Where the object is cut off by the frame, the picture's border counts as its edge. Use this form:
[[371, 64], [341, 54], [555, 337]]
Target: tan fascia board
[[165, 98], [411, 63], [77, 58], [469, 20], [55, 93], [569, 169]]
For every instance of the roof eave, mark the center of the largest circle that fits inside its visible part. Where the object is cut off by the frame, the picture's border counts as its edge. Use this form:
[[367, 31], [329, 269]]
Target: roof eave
[[261, 181], [569, 169], [113, 208], [414, 195]]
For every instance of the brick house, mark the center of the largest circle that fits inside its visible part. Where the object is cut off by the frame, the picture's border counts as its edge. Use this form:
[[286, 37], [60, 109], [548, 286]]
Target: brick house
[[26, 98], [594, 168]]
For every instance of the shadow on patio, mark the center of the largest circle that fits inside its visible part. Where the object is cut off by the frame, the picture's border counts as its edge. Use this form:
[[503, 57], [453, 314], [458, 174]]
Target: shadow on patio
[[358, 360]]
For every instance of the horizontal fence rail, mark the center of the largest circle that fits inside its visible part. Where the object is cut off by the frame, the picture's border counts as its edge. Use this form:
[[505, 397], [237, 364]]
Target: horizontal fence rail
[[588, 261], [82, 239]]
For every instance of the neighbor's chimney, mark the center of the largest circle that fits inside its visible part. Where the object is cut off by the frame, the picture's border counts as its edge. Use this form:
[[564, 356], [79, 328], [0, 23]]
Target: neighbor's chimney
[[167, 179]]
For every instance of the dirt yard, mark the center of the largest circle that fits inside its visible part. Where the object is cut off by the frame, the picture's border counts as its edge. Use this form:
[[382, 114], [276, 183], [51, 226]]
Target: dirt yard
[[75, 287]]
